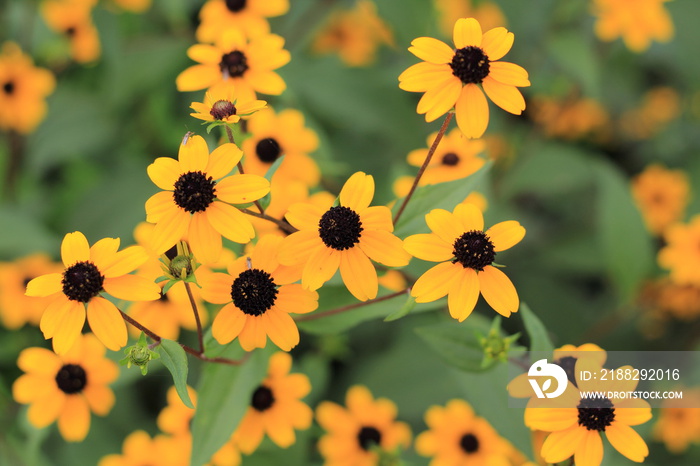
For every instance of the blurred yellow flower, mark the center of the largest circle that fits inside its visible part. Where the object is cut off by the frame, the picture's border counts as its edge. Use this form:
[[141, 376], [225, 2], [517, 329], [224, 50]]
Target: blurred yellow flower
[[66, 388], [659, 106], [487, 13], [247, 15], [451, 77], [72, 18], [677, 426], [571, 119], [661, 195], [140, 449], [23, 90], [638, 22], [354, 34], [681, 255]]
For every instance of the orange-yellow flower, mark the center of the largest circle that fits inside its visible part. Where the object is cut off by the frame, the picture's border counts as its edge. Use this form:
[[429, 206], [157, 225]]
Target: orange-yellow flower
[[197, 199], [259, 294], [23, 90], [451, 77], [221, 104], [247, 63], [89, 271], [140, 449], [662, 195], [66, 388], [638, 22], [466, 253], [72, 19], [681, 255], [247, 15], [344, 237]]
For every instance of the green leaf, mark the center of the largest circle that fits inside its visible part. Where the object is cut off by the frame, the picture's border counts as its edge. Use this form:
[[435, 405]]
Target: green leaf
[[575, 54], [458, 343], [224, 396], [539, 338], [174, 358], [626, 246], [403, 310], [437, 196]]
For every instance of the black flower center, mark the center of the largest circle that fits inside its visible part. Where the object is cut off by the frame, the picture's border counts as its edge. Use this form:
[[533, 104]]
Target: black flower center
[[254, 292], [595, 418], [8, 87], [71, 379], [82, 281], [368, 436], [194, 191], [450, 159], [235, 5], [233, 64], [26, 281], [222, 109], [262, 399], [568, 363], [340, 228], [470, 64], [70, 32], [268, 150], [469, 443], [473, 250]]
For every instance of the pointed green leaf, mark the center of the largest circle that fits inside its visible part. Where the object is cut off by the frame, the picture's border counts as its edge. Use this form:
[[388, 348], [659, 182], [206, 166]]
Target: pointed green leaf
[[539, 338], [403, 310], [174, 358]]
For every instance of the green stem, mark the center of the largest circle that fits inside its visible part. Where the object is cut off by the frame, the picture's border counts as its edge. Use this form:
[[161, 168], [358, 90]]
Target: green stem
[[200, 334]]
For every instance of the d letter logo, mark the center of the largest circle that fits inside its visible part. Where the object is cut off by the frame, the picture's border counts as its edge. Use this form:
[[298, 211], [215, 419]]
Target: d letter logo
[[542, 368]]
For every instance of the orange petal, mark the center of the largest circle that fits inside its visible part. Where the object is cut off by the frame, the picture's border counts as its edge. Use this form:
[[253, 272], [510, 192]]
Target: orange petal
[[103, 252], [589, 451], [216, 287], [230, 222], [507, 97], [281, 329], [384, 247], [170, 229], [498, 291], [295, 299], [197, 77], [440, 99], [65, 325], [428, 247], [253, 334], [45, 285], [472, 111], [39, 361], [505, 235], [463, 295], [228, 324], [627, 441], [205, 54], [562, 444], [305, 216], [132, 288], [204, 240], [467, 32], [435, 282], [423, 76], [358, 274], [99, 398], [106, 323], [377, 218], [497, 42], [296, 247], [44, 411], [322, 264], [74, 420]]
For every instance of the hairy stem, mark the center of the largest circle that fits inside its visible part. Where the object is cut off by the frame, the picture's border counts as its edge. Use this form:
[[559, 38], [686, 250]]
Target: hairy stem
[[280, 223], [200, 334]]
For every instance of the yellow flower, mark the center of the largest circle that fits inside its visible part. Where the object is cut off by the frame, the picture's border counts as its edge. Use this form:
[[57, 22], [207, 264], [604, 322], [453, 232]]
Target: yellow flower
[[666, 298], [275, 408], [451, 77], [681, 254], [247, 63], [345, 236], [456, 436], [197, 199], [88, 272], [140, 449], [453, 159], [175, 418], [354, 34], [354, 432], [487, 13], [662, 196], [659, 106], [246, 15], [274, 135], [72, 19], [638, 22], [23, 90], [570, 119], [17, 309], [465, 253], [66, 388], [259, 296], [221, 104], [679, 426], [576, 423]]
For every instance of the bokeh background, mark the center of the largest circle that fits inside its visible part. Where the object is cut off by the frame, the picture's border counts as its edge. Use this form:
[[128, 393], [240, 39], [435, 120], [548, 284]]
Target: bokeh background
[[598, 115]]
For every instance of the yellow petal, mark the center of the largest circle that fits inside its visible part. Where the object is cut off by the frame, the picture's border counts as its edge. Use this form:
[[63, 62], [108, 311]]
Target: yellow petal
[[74, 420], [242, 189], [357, 191], [444, 225], [498, 291], [216, 287], [222, 161], [497, 42], [204, 240], [30, 387], [463, 295], [305, 216], [322, 264], [266, 82], [440, 99], [551, 419], [44, 411], [296, 247], [472, 111], [164, 172], [170, 229], [197, 77], [106, 323], [632, 412], [509, 73], [469, 216], [74, 248], [193, 155], [627, 441], [507, 97], [589, 451], [250, 431], [384, 247], [467, 32], [358, 274], [435, 282], [123, 262], [99, 398], [505, 235], [230, 222], [45, 285], [431, 50], [253, 334], [281, 329], [205, 54], [228, 324], [423, 76], [132, 288], [103, 252], [264, 255], [39, 361], [63, 324], [377, 218], [295, 299], [562, 444], [428, 247], [159, 205]]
